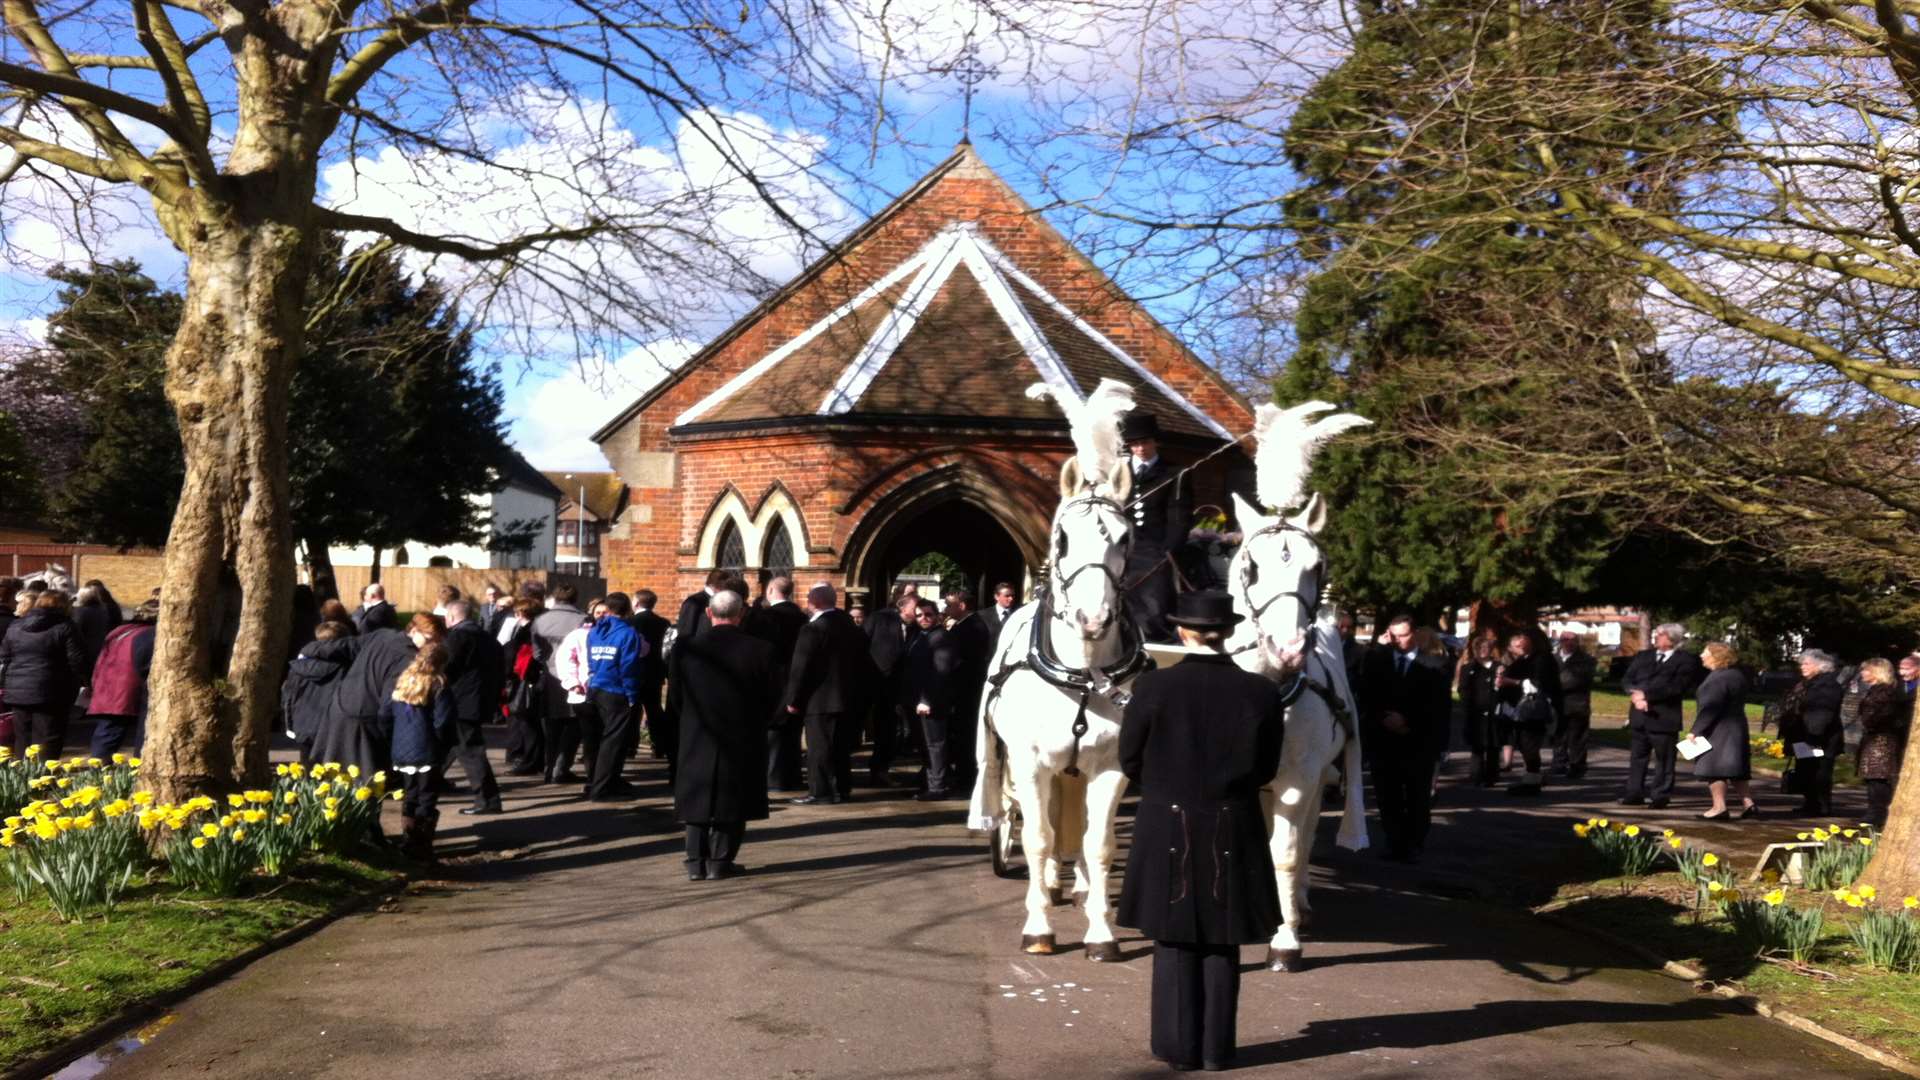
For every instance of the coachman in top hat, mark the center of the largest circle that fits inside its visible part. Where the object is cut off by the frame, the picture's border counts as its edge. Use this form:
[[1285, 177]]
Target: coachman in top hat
[[1161, 518]]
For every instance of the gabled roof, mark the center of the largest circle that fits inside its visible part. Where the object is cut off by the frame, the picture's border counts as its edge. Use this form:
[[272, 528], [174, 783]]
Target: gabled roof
[[518, 472], [603, 490], [955, 330]]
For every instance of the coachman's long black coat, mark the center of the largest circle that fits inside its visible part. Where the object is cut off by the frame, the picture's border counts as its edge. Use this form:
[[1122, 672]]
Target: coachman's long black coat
[[726, 694], [1201, 739]]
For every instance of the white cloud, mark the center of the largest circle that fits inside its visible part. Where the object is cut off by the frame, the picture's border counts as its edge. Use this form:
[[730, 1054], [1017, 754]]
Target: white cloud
[[552, 417]]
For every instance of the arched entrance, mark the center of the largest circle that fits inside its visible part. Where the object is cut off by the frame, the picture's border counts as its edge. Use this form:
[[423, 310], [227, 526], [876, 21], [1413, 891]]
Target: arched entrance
[[981, 550]]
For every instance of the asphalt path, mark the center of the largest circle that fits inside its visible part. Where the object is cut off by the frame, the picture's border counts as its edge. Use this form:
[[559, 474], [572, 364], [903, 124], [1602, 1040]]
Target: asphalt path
[[872, 940]]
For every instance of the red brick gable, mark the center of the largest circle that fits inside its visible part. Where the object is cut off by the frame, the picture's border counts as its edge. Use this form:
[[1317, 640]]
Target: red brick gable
[[841, 481]]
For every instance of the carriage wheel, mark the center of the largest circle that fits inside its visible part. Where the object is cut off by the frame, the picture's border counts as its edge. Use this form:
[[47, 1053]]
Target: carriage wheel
[[1004, 843]]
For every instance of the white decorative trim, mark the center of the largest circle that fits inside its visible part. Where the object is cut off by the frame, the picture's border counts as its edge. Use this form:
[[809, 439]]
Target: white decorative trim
[[753, 530], [1006, 265], [873, 356], [980, 256], [766, 363]]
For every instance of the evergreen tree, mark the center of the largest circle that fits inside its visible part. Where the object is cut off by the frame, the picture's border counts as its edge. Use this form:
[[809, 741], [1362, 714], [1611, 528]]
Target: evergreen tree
[[19, 480], [1449, 342], [392, 427]]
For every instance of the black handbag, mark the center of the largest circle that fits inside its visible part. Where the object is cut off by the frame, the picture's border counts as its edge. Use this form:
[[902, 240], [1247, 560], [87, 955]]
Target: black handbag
[[1534, 710]]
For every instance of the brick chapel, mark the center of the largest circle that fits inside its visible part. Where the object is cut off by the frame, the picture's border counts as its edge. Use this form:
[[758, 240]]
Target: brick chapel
[[874, 409]]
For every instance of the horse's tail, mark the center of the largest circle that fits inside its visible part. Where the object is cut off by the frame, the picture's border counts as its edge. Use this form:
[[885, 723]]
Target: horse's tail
[[988, 804], [1353, 817]]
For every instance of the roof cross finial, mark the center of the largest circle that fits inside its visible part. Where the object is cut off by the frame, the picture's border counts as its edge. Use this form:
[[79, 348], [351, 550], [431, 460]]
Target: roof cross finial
[[970, 71]]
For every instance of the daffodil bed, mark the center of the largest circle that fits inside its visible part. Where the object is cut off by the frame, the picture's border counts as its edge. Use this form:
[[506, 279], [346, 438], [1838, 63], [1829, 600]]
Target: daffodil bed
[[109, 899], [1839, 954]]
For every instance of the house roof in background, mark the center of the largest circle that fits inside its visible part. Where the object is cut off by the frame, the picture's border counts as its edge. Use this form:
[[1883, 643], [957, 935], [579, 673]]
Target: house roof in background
[[605, 490], [519, 472]]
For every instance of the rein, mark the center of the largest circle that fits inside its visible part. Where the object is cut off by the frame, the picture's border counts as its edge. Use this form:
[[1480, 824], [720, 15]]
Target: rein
[[1309, 599]]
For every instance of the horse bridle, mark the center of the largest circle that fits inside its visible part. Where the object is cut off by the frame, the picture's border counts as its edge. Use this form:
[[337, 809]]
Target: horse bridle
[[1063, 581], [1309, 598]]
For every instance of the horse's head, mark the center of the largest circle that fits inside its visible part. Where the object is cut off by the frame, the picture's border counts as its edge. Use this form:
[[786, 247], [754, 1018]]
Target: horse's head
[[1091, 538], [1277, 575]]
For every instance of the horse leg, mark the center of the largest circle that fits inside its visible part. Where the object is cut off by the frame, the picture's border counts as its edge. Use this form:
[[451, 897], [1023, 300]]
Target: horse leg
[[1283, 952], [1103, 794], [1069, 824], [1035, 796]]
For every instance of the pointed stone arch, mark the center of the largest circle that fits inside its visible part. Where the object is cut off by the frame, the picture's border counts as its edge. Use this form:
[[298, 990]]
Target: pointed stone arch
[[891, 515], [728, 507]]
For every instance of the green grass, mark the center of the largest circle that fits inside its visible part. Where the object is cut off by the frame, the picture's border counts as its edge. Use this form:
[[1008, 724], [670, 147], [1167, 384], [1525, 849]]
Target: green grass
[[58, 979], [1875, 1007]]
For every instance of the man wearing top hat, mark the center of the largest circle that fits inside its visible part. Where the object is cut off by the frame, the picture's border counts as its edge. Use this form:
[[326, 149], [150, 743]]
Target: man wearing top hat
[[1200, 739], [1160, 521]]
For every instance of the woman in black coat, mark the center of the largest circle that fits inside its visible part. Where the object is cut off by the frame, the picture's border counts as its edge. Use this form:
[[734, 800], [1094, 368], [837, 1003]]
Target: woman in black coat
[[1885, 714], [1811, 715], [1720, 717], [1480, 694], [725, 683], [1200, 739], [42, 664]]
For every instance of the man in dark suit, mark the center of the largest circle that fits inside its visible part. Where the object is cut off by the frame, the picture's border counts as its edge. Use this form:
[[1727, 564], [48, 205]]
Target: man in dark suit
[[973, 638], [476, 667], [374, 613], [653, 673], [926, 691], [890, 633], [1006, 600], [1577, 670], [827, 688], [1161, 519], [496, 611], [1199, 740], [1657, 682], [693, 610], [726, 691], [1405, 716], [778, 623]]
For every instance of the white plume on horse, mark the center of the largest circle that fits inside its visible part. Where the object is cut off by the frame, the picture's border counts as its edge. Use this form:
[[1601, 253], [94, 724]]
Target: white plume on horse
[[1094, 423], [1287, 441]]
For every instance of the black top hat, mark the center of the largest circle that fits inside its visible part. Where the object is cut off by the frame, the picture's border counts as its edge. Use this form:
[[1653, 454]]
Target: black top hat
[[1139, 424], [1209, 609]]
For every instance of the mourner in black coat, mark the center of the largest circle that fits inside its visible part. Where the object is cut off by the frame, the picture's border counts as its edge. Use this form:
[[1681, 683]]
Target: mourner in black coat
[[476, 671], [1161, 522], [1200, 739], [42, 664], [974, 639], [313, 678], [1811, 715], [828, 687], [652, 629], [1405, 717], [1577, 670], [1658, 681], [726, 698], [889, 637], [928, 691], [359, 727], [1529, 689], [779, 625]]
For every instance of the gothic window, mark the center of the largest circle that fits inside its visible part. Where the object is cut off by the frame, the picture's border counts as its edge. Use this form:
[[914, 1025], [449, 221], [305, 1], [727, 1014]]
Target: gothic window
[[779, 550], [730, 553]]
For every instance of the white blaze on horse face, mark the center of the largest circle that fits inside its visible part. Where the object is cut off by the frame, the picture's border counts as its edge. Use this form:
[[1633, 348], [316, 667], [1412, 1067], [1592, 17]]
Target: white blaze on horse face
[[1276, 574], [1089, 556]]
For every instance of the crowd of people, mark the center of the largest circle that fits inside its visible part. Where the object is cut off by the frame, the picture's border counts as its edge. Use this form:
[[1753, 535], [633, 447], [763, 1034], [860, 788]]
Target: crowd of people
[[59, 652]]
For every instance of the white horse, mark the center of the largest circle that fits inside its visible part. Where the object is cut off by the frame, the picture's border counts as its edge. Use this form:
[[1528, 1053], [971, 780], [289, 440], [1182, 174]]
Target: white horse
[[1276, 580], [1054, 697]]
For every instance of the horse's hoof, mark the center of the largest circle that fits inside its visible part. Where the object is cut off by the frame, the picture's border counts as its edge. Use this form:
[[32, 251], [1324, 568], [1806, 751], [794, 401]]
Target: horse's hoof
[[1103, 952], [1037, 944], [1288, 960]]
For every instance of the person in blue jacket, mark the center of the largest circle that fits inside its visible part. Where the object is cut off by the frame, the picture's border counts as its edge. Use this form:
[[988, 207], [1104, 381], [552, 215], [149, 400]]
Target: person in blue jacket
[[614, 654]]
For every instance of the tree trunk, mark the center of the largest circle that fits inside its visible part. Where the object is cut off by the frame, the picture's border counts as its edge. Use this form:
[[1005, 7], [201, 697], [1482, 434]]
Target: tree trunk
[[229, 559], [1895, 870], [320, 569]]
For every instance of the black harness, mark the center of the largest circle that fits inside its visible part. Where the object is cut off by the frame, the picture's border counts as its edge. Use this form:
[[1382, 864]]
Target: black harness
[[1085, 682]]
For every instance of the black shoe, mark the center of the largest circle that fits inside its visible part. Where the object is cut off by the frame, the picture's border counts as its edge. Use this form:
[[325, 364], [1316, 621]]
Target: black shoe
[[718, 870], [1751, 810], [696, 870], [564, 776], [482, 808], [1656, 804], [1631, 800]]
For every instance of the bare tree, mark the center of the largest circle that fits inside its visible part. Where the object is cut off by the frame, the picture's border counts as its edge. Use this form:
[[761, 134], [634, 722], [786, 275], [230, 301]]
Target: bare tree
[[488, 138]]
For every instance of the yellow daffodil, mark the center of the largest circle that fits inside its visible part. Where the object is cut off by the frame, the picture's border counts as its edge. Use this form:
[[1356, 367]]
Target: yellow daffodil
[[1632, 830], [353, 771], [1580, 830], [1850, 833], [237, 835], [1602, 822], [1820, 835], [1709, 859], [226, 821], [1856, 902], [330, 814], [362, 794], [1866, 841], [1676, 843], [1867, 892], [1910, 902], [1842, 894], [209, 831], [119, 759], [294, 770], [33, 750], [143, 798], [199, 842], [283, 819], [133, 762], [1714, 887], [291, 797], [1775, 898], [279, 770], [45, 829], [1668, 833], [236, 800]]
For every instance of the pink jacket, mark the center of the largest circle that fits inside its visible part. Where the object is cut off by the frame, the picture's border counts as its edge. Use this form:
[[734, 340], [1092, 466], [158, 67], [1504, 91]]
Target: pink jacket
[[572, 664]]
